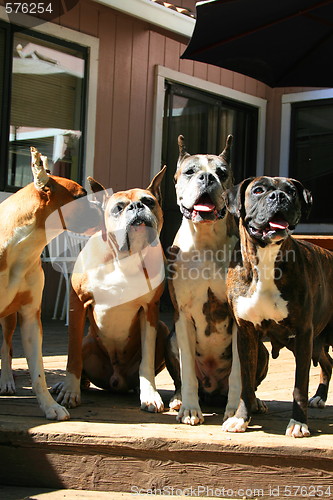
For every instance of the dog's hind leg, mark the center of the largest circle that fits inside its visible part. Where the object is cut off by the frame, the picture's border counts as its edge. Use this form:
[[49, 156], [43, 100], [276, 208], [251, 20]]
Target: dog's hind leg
[[326, 363], [262, 369], [7, 384], [173, 366], [97, 366]]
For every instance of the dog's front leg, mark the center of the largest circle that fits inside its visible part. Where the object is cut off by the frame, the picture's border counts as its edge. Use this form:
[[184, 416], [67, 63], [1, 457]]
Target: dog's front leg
[[69, 391], [31, 333], [235, 380], [190, 411], [297, 426], [247, 344], [149, 397]]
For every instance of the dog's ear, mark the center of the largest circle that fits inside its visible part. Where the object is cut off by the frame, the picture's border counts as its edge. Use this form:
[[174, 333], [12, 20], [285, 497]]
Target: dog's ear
[[305, 196], [101, 197], [155, 185], [182, 150], [39, 167], [234, 198], [95, 185], [99, 191], [226, 153]]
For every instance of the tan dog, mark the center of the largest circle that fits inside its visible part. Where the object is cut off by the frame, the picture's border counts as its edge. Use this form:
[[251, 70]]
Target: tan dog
[[24, 217], [118, 280], [200, 259]]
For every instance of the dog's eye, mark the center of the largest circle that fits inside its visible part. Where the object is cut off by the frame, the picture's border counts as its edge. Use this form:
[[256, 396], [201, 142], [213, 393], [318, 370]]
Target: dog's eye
[[291, 192], [189, 172], [222, 174], [117, 209], [149, 202], [258, 190]]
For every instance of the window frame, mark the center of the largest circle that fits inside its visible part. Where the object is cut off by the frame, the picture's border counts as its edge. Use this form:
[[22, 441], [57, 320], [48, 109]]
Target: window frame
[[285, 145], [163, 74], [66, 37], [246, 147]]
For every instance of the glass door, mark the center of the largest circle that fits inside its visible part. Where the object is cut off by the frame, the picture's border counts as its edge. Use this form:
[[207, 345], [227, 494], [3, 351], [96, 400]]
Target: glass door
[[205, 120]]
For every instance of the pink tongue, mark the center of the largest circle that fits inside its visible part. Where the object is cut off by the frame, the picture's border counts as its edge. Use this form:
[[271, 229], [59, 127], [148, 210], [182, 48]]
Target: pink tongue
[[280, 224], [208, 207]]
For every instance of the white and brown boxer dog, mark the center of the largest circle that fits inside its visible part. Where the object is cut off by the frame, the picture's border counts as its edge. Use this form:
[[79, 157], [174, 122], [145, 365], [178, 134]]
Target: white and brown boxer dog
[[117, 281], [199, 260], [24, 217], [280, 287]]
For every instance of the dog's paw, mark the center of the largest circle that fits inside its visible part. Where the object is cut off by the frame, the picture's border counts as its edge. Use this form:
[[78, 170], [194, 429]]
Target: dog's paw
[[151, 402], [316, 402], [297, 429], [7, 387], [176, 401], [260, 407], [229, 412], [235, 424], [56, 412], [67, 394], [192, 416]]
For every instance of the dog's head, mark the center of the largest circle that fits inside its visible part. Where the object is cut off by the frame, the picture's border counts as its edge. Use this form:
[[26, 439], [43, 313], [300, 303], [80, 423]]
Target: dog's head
[[64, 201], [133, 219], [269, 207], [200, 183]]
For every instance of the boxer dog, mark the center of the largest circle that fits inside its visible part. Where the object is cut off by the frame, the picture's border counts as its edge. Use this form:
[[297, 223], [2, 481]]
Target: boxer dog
[[199, 260], [280, 287], [24, 217], [117, 281]]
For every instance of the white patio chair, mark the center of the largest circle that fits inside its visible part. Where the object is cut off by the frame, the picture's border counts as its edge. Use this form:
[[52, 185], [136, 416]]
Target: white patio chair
[[62, 253]]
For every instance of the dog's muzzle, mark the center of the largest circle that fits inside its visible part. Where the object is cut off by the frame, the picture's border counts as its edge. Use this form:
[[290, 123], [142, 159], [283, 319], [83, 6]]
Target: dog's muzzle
[[204, 210]]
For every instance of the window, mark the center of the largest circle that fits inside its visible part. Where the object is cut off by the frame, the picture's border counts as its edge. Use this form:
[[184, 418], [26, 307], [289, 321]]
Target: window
[[306, 152], [311, 153], [46, 95], [205, 120]]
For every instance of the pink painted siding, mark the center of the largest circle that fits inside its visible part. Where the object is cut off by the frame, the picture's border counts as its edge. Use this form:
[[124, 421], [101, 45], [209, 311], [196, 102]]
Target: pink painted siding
[[129, 51]]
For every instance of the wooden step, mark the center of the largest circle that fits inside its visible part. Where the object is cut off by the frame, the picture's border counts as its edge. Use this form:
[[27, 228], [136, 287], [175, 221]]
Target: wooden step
[[109, 445]]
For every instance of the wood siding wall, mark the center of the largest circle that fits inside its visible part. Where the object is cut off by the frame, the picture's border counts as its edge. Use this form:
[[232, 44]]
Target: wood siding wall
[[129, 51]]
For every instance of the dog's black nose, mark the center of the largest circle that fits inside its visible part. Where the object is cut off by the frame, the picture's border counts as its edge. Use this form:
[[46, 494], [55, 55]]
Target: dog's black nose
[[277, 196], [136, 205], [206, 178]]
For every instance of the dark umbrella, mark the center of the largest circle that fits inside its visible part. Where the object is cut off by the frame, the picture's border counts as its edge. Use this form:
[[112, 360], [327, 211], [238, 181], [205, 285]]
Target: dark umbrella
[[282, 43]]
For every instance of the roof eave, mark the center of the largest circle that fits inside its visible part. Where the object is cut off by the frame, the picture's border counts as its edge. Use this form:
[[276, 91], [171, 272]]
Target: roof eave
[[155, 14]]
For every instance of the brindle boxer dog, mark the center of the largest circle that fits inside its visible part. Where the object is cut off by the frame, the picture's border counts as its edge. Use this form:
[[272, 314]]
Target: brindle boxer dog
[[25, 216], [198, 266], [280, 287], [117, 281]]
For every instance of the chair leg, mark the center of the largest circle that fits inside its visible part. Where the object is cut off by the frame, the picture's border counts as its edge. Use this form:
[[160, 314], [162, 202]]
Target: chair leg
[[56, 305], [65, 307]]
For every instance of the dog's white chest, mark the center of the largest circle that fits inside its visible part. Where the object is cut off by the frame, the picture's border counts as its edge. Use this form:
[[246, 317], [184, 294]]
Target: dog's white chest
[[193, 277], [266, 302], [200, 287], [120, 289]]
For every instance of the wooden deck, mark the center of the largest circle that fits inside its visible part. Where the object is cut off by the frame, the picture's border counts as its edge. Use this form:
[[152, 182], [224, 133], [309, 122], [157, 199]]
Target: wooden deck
[[110, 445]]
